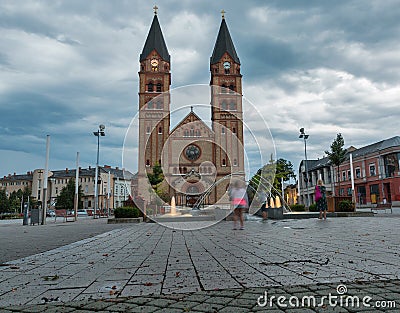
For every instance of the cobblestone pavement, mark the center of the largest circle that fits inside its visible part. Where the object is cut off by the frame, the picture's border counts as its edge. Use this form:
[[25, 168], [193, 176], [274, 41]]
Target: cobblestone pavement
[[148, 268]]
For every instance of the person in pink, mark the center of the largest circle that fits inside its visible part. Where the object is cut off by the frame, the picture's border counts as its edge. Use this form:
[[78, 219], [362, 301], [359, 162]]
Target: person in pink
[[239, 199]]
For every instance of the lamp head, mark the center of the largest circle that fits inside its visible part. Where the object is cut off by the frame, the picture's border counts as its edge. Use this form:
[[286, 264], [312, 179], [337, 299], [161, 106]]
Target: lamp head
[[301, 136], [302, 130], [102, 127]]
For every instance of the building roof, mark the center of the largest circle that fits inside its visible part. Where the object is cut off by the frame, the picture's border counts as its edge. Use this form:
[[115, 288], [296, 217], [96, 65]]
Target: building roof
[[117, 173], [155, 41], [224, 44]]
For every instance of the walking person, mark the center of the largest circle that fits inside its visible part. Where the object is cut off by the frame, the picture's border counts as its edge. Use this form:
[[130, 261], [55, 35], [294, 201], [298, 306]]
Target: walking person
[[238, 196], [264, 205], [320, 199]]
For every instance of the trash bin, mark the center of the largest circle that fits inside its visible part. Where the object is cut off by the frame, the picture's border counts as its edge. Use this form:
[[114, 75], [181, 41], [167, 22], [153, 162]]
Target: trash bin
[[35, 216]]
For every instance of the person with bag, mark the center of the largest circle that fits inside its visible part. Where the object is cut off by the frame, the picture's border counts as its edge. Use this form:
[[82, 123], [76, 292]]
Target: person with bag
[[320, 199]]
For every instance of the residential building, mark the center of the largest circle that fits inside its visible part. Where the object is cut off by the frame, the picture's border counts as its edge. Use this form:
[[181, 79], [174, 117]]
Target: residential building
[[376, 174]]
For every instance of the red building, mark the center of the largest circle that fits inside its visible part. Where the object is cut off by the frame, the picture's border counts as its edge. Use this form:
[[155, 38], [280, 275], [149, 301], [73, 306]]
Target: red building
[[376, 173]]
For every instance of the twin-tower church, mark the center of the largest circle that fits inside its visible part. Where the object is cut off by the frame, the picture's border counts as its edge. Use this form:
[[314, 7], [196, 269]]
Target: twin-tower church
[[194, 157]]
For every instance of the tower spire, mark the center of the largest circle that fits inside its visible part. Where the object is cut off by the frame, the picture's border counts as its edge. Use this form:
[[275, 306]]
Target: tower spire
[[155, 41], [224, 44]]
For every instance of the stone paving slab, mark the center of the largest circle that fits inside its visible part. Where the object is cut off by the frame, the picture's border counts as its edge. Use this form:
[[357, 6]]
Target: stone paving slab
[[151, 260]]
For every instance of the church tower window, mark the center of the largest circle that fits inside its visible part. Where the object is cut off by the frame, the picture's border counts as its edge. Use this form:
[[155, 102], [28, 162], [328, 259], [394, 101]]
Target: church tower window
[[159, 87], [160, 130], [150, 105], [150, 87], [159, 105], [223, 88], [147, 162], [223, 130], [223, 162], [224, 106], [232, 106], [231, 89]]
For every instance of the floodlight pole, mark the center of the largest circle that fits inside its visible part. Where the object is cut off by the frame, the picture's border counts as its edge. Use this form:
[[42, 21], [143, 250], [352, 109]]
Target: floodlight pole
[[98, 133], [305, 137]]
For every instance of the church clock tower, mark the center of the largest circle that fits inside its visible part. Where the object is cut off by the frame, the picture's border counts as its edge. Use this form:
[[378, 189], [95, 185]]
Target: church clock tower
[[226, 106], [154, 101]]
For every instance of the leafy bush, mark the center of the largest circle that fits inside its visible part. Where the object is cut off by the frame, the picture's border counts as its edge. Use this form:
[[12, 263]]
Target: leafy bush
[[298, 207], [313, 208], [346, 206], [126, 212]]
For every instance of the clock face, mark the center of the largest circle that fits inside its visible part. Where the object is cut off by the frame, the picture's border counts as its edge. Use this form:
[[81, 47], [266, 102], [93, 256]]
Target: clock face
[[154, 63], [227, 65], [192, 152]]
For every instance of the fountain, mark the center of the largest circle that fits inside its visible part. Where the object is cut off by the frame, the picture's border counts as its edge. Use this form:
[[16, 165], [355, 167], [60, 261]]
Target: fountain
[[278, 202], [173, 206], [271, 203]]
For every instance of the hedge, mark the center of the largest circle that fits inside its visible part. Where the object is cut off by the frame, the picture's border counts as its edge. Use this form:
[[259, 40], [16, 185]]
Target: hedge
[[126, 212]]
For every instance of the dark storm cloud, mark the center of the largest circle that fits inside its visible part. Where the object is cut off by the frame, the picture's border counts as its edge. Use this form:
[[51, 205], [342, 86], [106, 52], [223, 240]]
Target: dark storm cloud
[[67, 66]]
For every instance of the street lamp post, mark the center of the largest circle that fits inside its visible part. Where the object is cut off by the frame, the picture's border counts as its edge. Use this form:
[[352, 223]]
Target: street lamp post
[[304, 136], [98, 133]]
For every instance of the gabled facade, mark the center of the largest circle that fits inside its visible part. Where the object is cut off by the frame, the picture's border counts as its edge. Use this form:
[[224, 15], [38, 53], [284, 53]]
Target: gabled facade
[[193, 155]]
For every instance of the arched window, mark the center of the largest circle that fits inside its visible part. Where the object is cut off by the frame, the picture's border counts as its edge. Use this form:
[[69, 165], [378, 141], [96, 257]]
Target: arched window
[[148, 130], [232, 106], [223, 162], [192, 132], [223, 130], [197, 133], [147, 162], [158, 87], [160, 130], [159, 105], [224, 106], [150, 87], [150, 105], [231, 89], [223, 88], [184, 170], [234, 162], [186, 133]]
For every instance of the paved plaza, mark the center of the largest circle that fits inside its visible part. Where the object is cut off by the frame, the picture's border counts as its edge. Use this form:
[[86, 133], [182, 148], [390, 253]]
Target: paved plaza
[[149, 268]]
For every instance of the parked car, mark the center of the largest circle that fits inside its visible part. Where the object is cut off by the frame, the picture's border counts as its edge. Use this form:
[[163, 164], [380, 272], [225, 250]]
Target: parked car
[[82, 213], [50, 213]]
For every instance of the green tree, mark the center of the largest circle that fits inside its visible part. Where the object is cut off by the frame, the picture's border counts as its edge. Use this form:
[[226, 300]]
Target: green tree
[[337, 155], [4, 201], [274, 173], [156, 177], [65, 200]]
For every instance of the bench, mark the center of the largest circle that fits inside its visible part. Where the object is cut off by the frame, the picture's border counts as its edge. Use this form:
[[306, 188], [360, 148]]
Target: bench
[[63, 213], [382, 206]]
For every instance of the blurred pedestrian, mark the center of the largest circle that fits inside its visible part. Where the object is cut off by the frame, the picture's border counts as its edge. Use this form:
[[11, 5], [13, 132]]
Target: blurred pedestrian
[[239, 199], [264, 205], [320, 199]]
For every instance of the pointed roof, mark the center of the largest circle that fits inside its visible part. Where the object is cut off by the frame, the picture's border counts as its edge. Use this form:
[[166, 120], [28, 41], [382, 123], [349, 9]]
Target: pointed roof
[[224, 44], [155, 41], [196, 118]]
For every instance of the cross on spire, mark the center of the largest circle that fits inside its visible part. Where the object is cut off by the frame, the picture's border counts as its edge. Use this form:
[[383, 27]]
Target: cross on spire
[[223, 13], [155, 9]]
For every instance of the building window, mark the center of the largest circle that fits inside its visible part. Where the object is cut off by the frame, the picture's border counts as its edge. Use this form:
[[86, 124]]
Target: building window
[[223, 162], [175, 170], [197, 133], [223, 130], [147, 162], [56, 190], [148, 130], [349, 192], [89, 203], [349, 175], [86, 188], [223, 89], [192, 132], [159, 87], [372, 170], [234, 130], [341, 191], [343, 176], [159, 130], [358, 172], [224, 106], [150, 105], [186, 133], [150, 87], [159, 105], [231, 89], [374, 192], [232, 106], [235, 162]]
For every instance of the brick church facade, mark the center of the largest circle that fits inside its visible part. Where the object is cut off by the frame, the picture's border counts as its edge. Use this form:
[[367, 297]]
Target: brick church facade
[[194, 157]]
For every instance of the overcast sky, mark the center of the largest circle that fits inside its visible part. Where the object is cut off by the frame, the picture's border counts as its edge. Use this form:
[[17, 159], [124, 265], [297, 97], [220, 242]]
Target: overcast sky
[[67, 66]]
